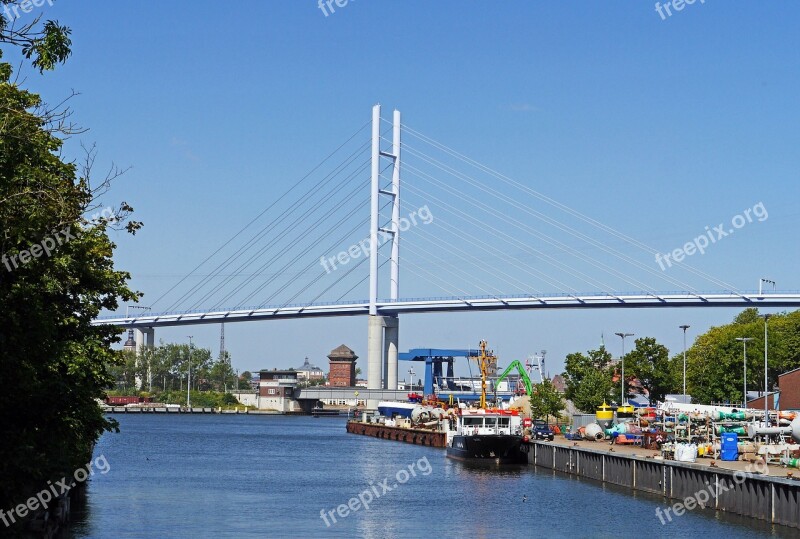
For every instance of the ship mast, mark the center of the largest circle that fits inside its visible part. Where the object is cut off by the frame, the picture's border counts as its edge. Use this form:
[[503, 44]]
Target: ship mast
[[483, 362]]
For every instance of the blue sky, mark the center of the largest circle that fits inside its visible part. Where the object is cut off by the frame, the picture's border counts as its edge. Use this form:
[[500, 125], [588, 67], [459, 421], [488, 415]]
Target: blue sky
[[655, 127]]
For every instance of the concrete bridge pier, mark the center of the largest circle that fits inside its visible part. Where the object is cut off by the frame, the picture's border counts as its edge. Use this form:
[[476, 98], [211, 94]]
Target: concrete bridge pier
[[382, 352], [145, 340], [390, 343]]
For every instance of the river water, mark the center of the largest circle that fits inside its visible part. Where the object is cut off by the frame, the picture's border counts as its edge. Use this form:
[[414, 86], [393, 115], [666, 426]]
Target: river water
[[273, 476]]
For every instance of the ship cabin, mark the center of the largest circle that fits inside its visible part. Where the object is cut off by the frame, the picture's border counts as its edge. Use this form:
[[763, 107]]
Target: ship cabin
[[488, 422]]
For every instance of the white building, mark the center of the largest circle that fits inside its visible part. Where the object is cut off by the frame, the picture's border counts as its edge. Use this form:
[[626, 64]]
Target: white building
[[308, 372]]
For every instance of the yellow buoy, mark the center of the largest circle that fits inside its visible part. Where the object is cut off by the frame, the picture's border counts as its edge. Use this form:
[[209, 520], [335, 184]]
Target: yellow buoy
[[604, 413]]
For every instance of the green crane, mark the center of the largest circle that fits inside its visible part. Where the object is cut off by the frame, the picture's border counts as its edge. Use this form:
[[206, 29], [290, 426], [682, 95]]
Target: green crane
[[522, 374]]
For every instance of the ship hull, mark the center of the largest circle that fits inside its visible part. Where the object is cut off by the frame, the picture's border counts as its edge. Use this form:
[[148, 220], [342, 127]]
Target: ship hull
[[489, 448]]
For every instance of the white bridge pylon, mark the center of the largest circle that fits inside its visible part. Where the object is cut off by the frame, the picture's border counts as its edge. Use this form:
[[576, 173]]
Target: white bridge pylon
[[383, 329]]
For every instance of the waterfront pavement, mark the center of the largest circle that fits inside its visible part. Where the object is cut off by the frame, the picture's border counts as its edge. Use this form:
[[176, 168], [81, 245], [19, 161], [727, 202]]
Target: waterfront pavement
[[775, 470]]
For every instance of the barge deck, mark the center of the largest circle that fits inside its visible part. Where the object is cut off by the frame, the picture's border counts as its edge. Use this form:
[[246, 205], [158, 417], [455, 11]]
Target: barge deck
[[410, 436]]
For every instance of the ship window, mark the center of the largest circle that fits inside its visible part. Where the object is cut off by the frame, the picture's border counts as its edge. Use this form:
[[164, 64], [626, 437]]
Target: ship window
[[503, 421], [491, 422], [473, 421]]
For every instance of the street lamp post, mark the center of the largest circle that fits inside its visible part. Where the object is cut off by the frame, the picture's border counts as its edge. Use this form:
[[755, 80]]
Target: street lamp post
[[684, 328], [622, 374], [766, 403], [744, 341], [189, 376]]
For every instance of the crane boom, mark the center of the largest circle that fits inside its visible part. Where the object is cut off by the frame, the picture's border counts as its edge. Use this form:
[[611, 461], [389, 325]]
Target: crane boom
[[522, 374]]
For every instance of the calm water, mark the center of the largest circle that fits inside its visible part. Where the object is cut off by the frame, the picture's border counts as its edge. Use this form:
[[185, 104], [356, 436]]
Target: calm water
[[270, 476]]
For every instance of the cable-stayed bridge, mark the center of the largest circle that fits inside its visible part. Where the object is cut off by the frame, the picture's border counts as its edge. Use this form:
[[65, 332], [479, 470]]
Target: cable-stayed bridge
[[461, 304], [481, 239]]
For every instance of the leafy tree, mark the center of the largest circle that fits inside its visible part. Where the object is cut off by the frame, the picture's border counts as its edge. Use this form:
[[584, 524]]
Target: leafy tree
[[222, 374], [126, 370], [649, 362], [199, 361], [47, 45], [715, 369], [546, 401], [597, 387], [747, 316], [588, 378], [244, 380], [53, 362]]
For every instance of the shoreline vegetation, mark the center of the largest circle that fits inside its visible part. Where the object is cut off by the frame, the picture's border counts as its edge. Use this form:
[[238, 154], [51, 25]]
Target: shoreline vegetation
[[58, 275], [199, 399]]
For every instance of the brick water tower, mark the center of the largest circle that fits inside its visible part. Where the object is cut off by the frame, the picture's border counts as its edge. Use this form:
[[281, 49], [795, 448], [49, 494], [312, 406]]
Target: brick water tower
[[343, 367]]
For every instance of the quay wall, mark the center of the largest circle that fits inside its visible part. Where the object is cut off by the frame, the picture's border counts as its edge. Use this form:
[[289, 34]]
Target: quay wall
[[409, 436], [772, 499]]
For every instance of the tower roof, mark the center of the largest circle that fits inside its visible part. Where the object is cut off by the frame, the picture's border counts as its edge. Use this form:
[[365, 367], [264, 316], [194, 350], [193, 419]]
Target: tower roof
[[342, 352]]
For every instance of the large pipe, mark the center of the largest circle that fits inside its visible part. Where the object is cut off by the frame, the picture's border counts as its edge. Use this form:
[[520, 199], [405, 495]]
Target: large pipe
[[794, 429]]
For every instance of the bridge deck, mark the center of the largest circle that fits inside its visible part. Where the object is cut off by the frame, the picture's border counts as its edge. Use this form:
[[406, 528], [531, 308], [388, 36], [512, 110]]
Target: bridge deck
[[466, 304]]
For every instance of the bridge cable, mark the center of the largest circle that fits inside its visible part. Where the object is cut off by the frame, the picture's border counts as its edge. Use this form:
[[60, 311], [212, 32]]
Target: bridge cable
[[559, 205], [511, 239], [307, 196], [322, 275], [291, 227], [297, 184], [548, 239]]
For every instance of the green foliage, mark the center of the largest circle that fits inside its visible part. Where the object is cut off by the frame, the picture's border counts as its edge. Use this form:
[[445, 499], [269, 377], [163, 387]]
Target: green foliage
[[715, 362], [53, 362], [747, 316], [546, 401], [168, 366], [649, 363], [596, 388], [221, 375], [125, 371], [588, 379], [199, 399], [46, 46]]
